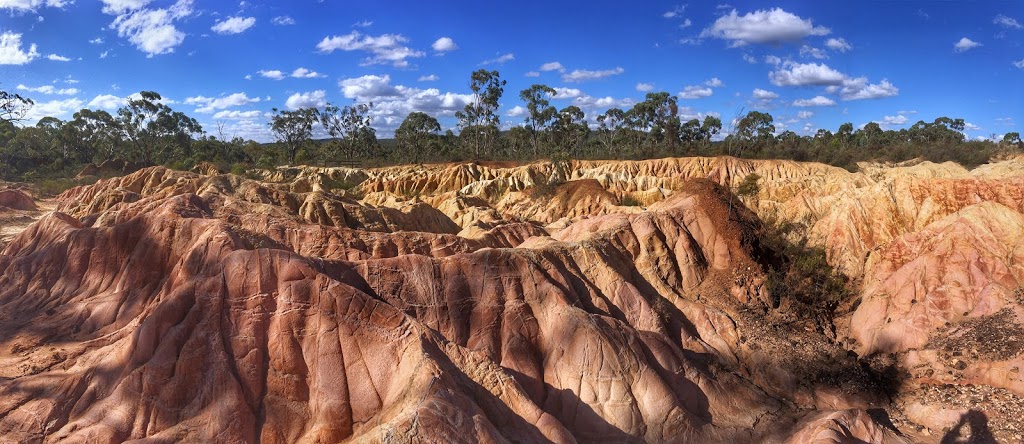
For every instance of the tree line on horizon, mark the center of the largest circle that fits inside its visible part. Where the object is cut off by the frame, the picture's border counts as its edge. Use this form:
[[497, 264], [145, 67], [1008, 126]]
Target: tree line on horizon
[[147, 131]]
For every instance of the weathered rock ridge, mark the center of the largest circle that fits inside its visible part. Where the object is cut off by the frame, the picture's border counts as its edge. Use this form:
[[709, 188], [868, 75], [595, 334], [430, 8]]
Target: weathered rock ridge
[[454, 303]]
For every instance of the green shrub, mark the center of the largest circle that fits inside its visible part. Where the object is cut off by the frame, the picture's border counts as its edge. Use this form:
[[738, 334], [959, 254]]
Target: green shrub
[[749, 186], [630, 201]]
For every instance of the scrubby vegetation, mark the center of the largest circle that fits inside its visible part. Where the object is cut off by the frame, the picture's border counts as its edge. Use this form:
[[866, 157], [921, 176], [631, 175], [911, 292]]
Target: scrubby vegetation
[[148, 131]]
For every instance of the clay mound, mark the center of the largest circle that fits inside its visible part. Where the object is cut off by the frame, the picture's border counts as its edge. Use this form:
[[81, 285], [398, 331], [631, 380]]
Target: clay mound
[[16, 200], [110, 168], [625, 328], [232, 196], [571, 200]]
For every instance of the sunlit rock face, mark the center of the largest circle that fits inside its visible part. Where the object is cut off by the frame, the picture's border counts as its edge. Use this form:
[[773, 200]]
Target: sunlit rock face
[[632, 302]]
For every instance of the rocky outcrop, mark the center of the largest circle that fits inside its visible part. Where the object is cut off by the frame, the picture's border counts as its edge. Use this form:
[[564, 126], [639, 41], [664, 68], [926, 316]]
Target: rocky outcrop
[[14, 199]]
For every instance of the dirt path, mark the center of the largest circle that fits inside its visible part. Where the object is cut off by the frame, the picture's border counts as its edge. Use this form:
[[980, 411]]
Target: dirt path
[[13, 222]]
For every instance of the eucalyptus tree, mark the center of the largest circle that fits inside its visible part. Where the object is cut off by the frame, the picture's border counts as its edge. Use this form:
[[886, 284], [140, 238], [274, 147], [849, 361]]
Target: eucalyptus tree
[[154, 130], [570, 129], [478, 121], [350, 129], [293, 129], [13, 107], [540, 113], [417, 135]]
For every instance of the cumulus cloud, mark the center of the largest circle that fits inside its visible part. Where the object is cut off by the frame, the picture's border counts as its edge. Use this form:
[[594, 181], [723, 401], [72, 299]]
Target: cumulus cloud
[[806, 74], [1007, 22], [772, 60], [517, 111], [271, 74], [552, 66], [810, 51], [58, 58], [151, 30], [383, 49], [567, 93], [429, 78], [233, 25], [500, 59], [282, 20], [392, 103], [674, 12], [61, 109], [532, 74], [761, 94], [236, 115], [32, 5], [444, 44], [749, 58], [107, 101], [644, 87], [860, 89], [816, 101], [838, 45], [1019, 63], [714, 82], [580, 75], [774, 26], [968, 126], [965, 44], [888, 121], [804, 115], [210, 104], [48, 89], [303, 73], [695, 92], [312, 99], [11, 52]]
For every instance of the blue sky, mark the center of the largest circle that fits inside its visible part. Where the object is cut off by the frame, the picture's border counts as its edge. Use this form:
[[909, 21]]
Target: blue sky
[[811, 64]]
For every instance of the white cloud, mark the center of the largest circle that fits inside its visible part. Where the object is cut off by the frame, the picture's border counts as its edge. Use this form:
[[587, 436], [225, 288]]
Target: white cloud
[[552, 66], [714, 82], [233, 25], [282, 20], [859, 89], [31, 5], [838, 45], [48, 89], [761, 94], [236, 115], [107, 101], [674, 12], [104, 54], [444, 44], [312, 99], [429, 78], [11, 52], [362, 24], [151, 30], [303, 73], [500, 59], [58, 58], [392, 103], [532, 74], [810, 51], [965, 44], [695, 92], [1019, 63], [580, 75], [805, 115], [772, 60], [968, 126], [210, 104], [1007, 22], [749, 58], [117, 7], [765, 27], [566, 93], [517, 111], [61, 109], [384, 49], [816, 101], [368, 87], [644, 87], [804, 74], [97, 41], [271, 74], [686, 23], [888, 121]]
